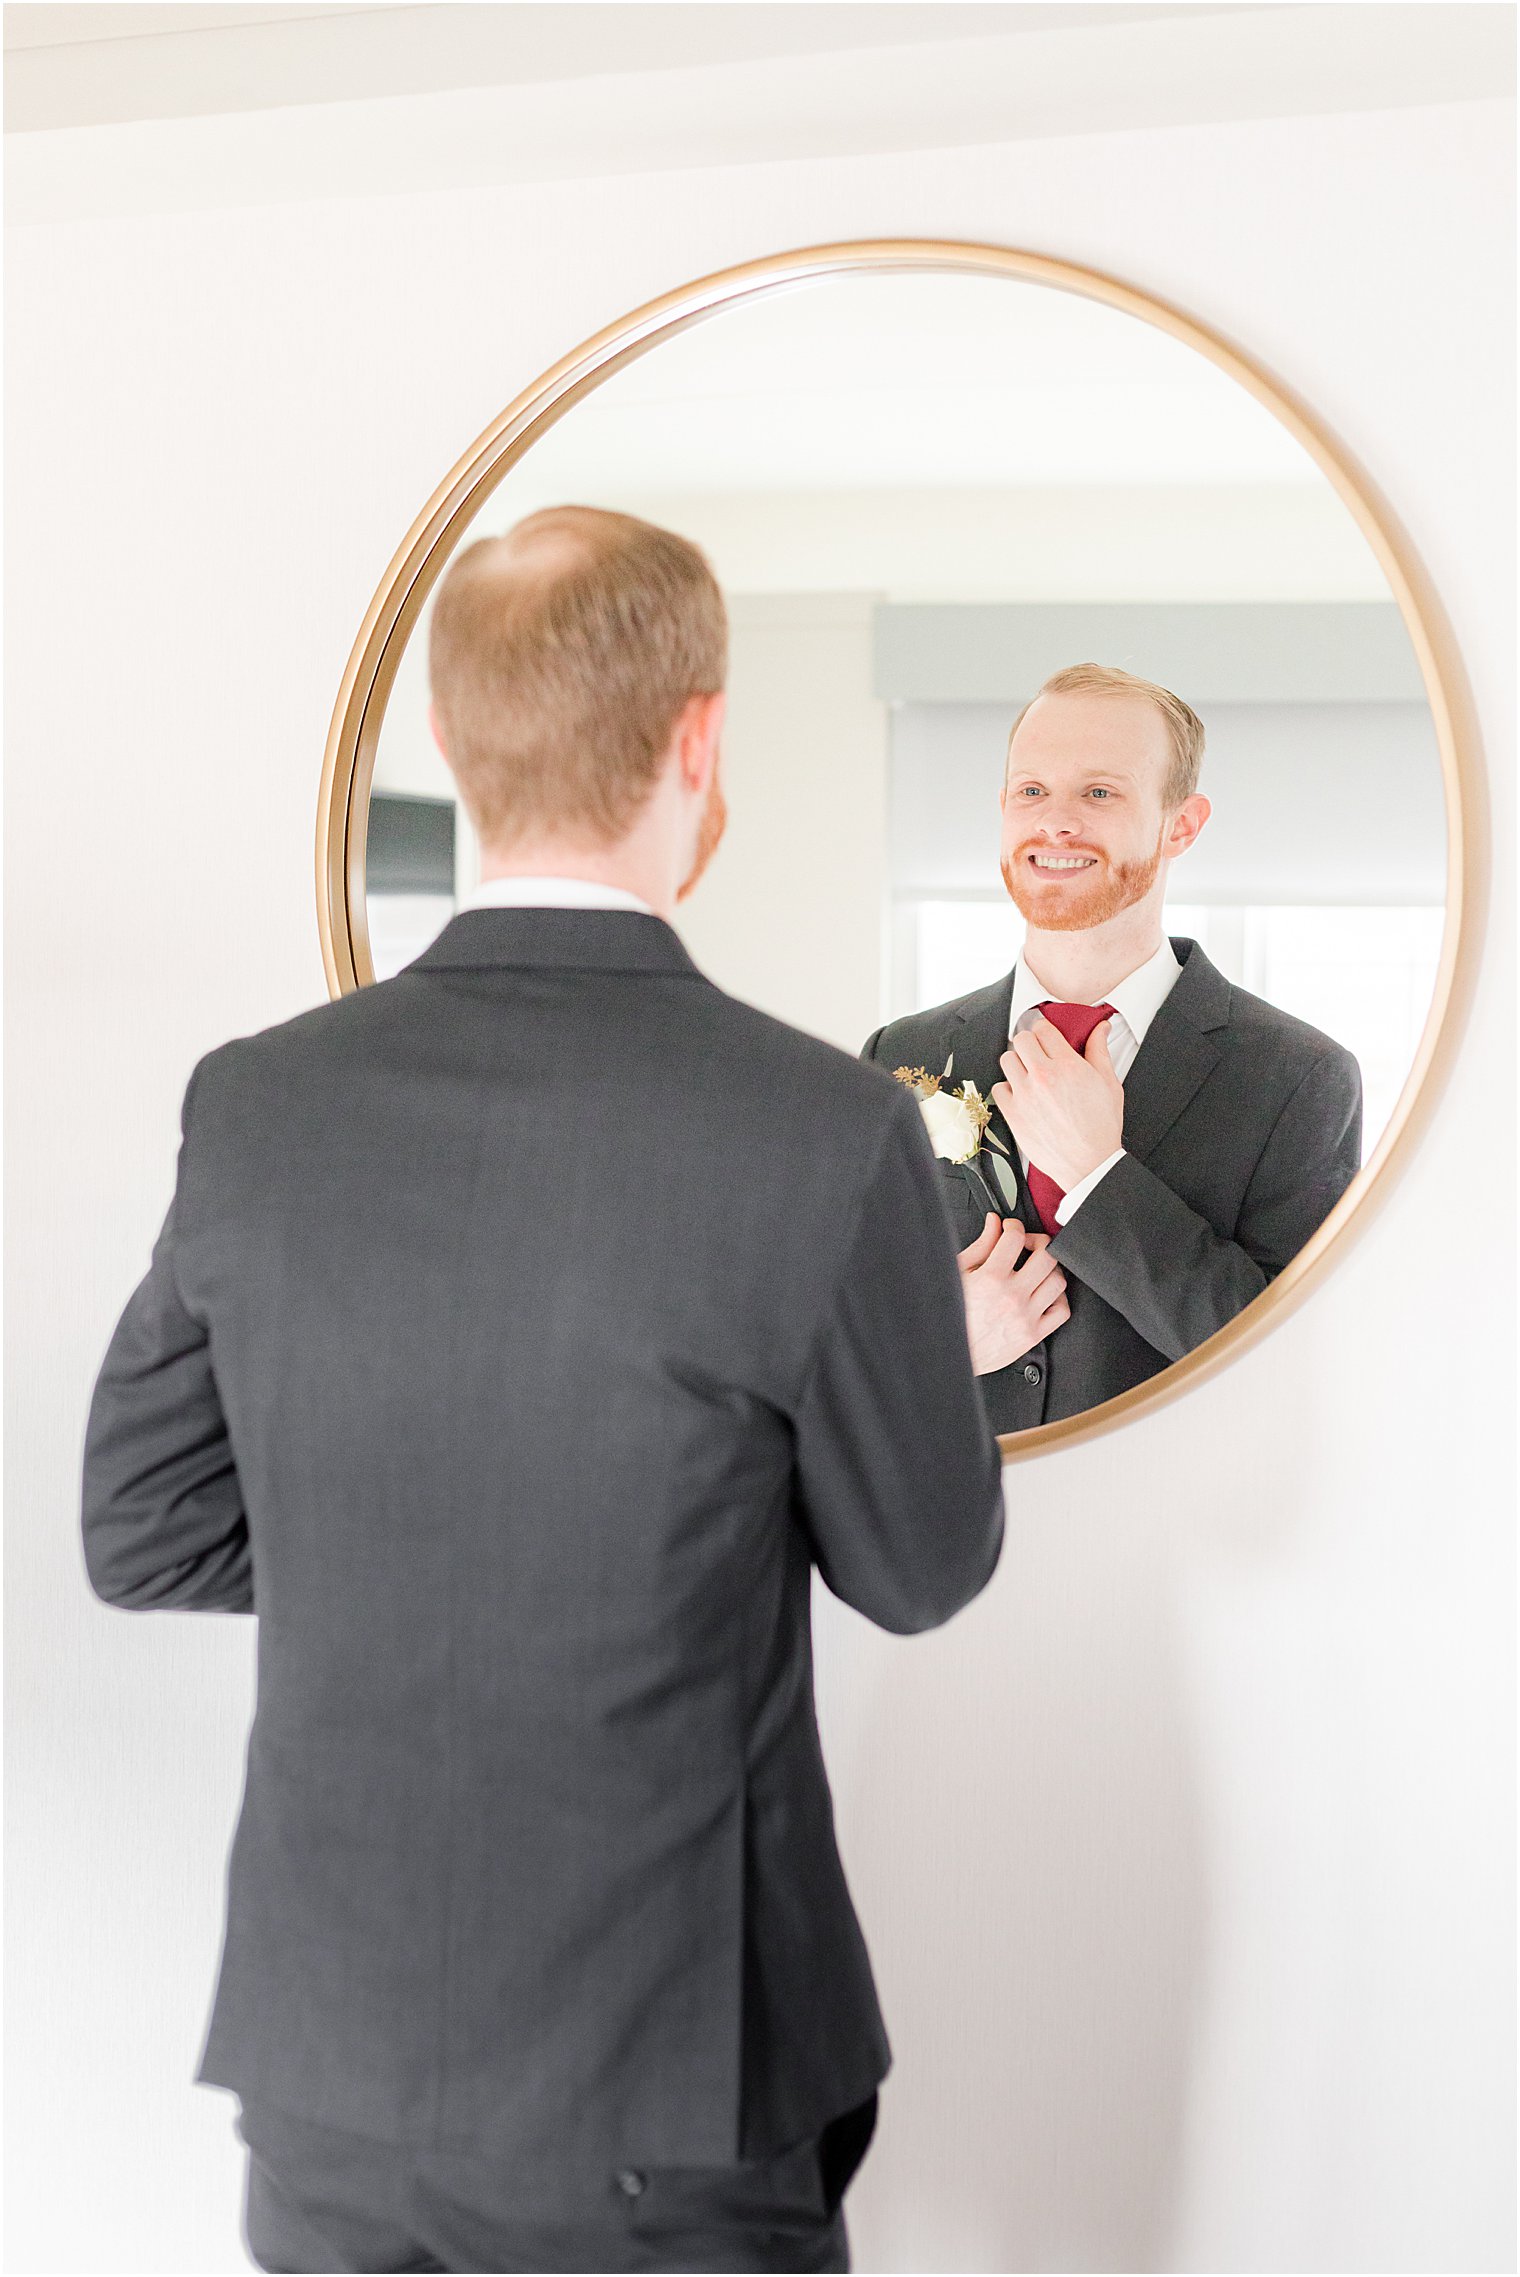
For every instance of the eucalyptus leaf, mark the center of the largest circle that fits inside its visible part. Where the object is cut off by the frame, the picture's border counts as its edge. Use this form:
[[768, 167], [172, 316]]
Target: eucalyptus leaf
[[1009, 1184]]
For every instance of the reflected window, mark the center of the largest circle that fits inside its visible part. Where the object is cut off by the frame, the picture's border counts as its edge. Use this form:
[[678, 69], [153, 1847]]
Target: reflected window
[[402, 925], [1365, 976]]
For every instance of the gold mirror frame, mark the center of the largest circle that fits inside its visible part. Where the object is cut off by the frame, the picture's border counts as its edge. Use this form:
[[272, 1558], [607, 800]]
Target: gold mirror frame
[[349, 765]]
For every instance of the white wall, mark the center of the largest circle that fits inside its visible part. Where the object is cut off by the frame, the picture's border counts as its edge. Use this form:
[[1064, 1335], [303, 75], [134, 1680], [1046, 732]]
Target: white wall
[[792, 914], [1185, 1853]]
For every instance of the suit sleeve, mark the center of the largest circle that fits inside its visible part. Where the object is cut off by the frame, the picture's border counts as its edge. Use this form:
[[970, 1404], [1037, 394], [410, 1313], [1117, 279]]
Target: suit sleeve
[[163, 1517], [900, 1477], [1176, 1281]]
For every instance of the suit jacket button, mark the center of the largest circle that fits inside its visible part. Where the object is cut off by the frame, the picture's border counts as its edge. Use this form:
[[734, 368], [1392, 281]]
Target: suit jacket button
[[631, 2182], [1033, 1374]]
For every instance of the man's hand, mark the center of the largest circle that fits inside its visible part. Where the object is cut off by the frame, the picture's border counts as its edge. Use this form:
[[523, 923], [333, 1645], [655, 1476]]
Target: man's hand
[[1010, 1305], [1065, 1108]]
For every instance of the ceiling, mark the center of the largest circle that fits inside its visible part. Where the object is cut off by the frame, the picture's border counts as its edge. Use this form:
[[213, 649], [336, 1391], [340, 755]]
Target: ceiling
[[919, 381], [97, 65], [121, 109], [31, 25]]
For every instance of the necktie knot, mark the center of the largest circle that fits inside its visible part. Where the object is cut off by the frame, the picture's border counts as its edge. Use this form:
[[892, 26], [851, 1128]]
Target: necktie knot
[[1077, 1021]]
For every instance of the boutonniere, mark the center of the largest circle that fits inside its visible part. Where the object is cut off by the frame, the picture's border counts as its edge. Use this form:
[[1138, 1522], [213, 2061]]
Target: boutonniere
[[956, 1122]]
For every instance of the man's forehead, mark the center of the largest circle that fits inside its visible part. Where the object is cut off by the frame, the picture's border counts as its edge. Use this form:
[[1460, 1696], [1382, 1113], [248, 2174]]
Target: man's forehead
[[1080, 726]]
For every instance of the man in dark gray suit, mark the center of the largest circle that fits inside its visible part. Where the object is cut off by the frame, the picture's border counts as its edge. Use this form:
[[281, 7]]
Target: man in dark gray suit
[[1170, 1141], [523, 1332]]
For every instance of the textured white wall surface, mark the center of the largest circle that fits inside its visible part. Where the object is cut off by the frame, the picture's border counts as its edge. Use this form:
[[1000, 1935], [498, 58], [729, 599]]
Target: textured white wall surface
[[1185, 1853]]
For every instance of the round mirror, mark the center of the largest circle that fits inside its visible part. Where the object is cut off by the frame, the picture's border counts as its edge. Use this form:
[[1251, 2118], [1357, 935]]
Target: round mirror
[[930, 481]]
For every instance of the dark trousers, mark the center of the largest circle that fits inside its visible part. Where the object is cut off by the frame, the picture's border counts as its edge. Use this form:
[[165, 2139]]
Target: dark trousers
[[321, 2200]]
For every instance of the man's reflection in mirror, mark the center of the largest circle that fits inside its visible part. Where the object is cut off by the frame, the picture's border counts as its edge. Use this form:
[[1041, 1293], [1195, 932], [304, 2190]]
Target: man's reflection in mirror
[[1170, 1141]]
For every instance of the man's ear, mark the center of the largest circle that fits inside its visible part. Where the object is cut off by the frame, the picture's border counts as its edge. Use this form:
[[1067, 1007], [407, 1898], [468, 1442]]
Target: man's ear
[[697, 731], [1185, 825], [436, 732]]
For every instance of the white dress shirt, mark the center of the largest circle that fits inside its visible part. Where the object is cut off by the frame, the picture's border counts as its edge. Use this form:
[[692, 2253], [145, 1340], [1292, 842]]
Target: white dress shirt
[[551, 893], [1136, 1001]]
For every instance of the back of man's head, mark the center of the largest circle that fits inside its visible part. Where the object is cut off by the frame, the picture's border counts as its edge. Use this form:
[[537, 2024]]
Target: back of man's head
[[562, 655]]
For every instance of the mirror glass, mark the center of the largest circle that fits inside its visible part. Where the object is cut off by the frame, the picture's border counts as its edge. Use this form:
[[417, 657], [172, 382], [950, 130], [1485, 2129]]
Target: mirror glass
[[925, 493]]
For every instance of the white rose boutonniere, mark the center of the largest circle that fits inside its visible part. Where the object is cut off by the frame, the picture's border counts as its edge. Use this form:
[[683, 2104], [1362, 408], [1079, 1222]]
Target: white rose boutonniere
[[957, 1124], [952, 1126]]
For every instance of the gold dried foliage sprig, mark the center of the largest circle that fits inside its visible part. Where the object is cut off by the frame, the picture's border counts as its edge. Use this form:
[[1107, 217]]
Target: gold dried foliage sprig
[[956, 1120]]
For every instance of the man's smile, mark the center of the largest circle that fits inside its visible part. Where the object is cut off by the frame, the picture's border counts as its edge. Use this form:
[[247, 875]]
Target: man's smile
[[1063, 878]]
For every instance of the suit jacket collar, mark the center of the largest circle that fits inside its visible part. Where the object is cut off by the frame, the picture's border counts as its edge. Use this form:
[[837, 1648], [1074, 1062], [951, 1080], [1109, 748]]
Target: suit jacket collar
[[1178, 1053], [1172, 1062], [979, 1036], [589, 940]]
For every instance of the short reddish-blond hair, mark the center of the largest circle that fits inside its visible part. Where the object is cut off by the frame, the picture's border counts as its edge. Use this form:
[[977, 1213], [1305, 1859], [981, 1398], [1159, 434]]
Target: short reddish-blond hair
[[1184, 727], [561, 655]]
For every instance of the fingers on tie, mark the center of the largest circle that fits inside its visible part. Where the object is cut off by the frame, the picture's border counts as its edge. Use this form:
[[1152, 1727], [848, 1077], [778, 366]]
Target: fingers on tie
[[1011, 1245], [980, 1249], [1006, 1251]]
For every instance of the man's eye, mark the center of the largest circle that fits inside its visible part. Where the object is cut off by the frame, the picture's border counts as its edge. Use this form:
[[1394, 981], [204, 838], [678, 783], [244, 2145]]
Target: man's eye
[[1029, 790], [1099, 794]]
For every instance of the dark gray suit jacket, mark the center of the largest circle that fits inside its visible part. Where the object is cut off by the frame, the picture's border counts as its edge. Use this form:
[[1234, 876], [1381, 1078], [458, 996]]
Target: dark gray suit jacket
[[1242, 1129], [523, 1331]]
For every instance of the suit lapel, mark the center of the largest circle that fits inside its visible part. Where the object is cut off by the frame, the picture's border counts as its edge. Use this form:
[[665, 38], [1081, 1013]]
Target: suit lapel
[[1178, 1054], [1166, 1074], [977, 1046]]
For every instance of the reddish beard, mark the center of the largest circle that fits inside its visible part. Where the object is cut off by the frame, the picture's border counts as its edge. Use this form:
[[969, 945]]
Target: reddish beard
[[1073, 905], [709, 831]]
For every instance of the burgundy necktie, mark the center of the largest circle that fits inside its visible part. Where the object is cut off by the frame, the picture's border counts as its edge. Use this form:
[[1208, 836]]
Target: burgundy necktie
[[1076, 1023]]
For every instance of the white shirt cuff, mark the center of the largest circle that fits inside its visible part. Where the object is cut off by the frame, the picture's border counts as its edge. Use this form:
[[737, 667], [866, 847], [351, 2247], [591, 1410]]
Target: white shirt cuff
[[1069, 1204]]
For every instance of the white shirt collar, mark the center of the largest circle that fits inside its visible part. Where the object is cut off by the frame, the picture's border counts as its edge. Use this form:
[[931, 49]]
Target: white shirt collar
[[551, 893], [1137, 999]]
